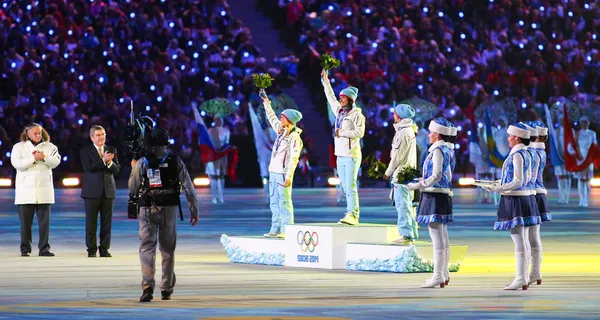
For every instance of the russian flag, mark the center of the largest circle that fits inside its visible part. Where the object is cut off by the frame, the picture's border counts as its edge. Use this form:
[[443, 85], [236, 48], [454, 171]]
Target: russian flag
[[209, 153]]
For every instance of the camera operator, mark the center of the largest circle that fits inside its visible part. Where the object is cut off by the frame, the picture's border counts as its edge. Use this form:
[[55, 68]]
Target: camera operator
[[159, 177]]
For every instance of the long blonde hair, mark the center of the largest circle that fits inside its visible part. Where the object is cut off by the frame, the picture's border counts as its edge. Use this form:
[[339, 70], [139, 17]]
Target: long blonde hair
[[24, 137]]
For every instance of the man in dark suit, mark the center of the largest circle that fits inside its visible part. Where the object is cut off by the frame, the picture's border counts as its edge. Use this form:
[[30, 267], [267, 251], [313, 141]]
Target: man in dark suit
[[100, 165]]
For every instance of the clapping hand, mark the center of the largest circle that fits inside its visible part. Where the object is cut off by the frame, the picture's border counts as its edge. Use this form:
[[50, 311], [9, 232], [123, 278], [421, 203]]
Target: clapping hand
[[38, 155], [108, 157]]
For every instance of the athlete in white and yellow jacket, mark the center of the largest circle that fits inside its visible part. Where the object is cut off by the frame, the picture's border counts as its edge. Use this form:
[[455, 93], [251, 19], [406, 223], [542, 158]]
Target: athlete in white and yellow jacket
[[349, 129], [284, 159]]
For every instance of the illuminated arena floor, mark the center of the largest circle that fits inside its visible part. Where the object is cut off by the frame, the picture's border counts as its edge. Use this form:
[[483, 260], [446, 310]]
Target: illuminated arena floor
[[71, 286]]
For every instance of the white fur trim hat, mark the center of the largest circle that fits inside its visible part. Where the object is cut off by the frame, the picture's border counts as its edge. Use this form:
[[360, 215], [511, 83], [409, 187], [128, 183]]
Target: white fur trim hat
[[441, 126], [519, 130]]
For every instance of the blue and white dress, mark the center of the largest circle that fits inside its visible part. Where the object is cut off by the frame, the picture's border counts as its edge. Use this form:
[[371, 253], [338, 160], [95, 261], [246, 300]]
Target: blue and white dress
[[540, 195], [436, 186], [515, 206]]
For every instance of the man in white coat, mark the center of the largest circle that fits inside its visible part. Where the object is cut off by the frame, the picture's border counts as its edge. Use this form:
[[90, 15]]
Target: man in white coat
[[349, 129], [403, 154], [34, 158]]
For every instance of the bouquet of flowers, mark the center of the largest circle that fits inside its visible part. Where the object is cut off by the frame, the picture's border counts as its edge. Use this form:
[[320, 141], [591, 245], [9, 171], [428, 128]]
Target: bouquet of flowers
[[218, 107], [262, 80], [328, 62], [377, 169], [408, 174]]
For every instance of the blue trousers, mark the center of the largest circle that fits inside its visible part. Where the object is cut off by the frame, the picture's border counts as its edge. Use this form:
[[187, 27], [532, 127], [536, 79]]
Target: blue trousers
[[407, 225], [348, 171], [282, 208]]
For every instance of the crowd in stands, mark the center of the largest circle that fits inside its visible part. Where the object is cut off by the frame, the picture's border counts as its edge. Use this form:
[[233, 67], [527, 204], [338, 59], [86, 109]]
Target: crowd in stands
[[71, 64], [454, 53]]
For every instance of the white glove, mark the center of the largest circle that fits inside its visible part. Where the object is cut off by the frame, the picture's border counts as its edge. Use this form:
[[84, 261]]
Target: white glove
[[413, 186]]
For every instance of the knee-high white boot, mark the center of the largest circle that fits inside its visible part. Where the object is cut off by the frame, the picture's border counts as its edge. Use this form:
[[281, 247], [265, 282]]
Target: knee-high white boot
[[213, 189], [439, 259], [586, 193], [447, 266], [220, 188], [568, 183], [519, 282], [535, 276], [561, 190], [580, 192]]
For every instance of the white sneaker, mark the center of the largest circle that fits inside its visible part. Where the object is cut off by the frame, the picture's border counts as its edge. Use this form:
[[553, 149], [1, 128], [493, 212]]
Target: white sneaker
[[349, 219], [271, 235], [281, 235], [214, 201]]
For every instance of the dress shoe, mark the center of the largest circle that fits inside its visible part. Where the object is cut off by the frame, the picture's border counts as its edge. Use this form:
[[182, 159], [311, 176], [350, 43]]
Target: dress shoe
[[166, 295], [91, 254], [25, 254], [105, 254], [47, 254], [147, 295]]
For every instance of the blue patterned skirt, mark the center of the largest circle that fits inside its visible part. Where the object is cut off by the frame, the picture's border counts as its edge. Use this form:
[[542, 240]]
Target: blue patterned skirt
[[435, 207], [517, 210], [544, 209]]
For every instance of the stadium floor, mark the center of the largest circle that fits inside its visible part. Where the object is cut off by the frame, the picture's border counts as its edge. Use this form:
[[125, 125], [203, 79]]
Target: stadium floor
[[72, 286]]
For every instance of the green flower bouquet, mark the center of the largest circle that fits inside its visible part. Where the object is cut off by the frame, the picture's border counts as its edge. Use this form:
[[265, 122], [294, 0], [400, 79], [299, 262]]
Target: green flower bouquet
[[408, 174], [328, 62], [262, 80], [219, 107], [377, 170]]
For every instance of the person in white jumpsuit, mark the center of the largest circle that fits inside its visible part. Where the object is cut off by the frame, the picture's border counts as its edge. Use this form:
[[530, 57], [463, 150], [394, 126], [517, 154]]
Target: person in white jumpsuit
[[217, 170], [563, 176], [585, 140]]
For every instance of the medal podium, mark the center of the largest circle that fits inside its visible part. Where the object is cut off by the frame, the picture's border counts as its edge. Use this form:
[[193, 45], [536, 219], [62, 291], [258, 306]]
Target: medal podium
[[366, 247]]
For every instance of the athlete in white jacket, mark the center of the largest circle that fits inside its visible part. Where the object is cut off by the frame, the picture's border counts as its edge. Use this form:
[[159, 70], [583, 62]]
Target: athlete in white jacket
[[349, 129], [403, 154], [284, 159]]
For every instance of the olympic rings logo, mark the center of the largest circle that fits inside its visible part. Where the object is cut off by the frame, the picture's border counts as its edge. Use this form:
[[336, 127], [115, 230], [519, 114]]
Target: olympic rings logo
[[307, 241]]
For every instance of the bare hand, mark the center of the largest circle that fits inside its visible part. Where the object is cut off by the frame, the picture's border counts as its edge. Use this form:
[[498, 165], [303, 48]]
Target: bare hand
[[38, 155], [193, 221], [108, 157], [287, 183], [337, 133], [133, 163], [325, 75], [386, 177]]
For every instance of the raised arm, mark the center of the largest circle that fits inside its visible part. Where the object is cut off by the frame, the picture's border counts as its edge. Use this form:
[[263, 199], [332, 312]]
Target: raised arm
[[271, 116], [333, 102]]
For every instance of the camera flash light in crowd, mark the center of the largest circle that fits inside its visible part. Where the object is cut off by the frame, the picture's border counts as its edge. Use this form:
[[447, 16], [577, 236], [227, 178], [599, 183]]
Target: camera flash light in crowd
[[203, 113], [196, 55], [558, 47], [468, 132], [420, 70], [70, 182], [524, 105], [174, 57], [521, 45], [223, 13], [440, 14], [595, 182], [425, 9], [594, 36], [333, 181], [1, 163], [459, 128], [457, 146], [457, 69], [204, 46], [463, 36], [43, 100], [5, 182], [466, 181], [540, 47], [28, 29], [121, 100], [496, 92], [226, 48], [159, 99], [348, 35], [8, 154], [129, 47], [190, 43], [479, 125], [449, 49], [230, 88], [542, 8], [132, 15], [147, 108], [13, 65], [182, 67], [368, 11], [109, 63], [237, 102], [171, 24], [576, 83], [51, 32], [206, 79], [65, 158], [586, 6], [101, 80], [570, 13], [171, 141], [534, 25], [330, 8], [112, 44], [349, 13], [420, 87], [167, 68], [152, 87], [201, 182]]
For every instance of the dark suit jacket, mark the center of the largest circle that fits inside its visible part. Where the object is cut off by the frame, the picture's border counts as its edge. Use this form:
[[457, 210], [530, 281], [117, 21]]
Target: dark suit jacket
[[98, 177]]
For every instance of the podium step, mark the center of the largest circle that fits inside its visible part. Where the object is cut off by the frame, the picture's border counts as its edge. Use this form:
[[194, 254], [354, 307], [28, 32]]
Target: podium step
[[254, 250], [386, 257]]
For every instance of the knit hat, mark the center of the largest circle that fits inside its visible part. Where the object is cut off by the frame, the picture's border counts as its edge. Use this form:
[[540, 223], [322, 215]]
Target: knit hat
[[531, 128], [519, 130], [541, 128], [350, 92], [292, 115], [404, 111], [441, 126]]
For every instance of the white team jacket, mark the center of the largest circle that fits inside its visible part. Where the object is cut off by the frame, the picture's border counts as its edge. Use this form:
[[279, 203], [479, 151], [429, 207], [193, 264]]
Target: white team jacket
[[287, 146]]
